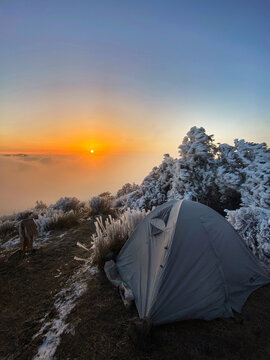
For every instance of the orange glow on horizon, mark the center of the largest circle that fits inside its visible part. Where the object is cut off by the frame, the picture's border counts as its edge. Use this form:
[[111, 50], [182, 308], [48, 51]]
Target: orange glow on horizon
[[97, 142], [121, 127]]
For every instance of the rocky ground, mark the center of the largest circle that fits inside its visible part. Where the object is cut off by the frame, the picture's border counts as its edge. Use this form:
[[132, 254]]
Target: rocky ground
[[53, 307]]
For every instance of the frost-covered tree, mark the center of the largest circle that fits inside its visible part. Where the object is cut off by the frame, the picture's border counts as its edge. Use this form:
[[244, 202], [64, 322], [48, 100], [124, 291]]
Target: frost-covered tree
[[155, 187], [243, 171], [229, 176], [253, 225], [222, 177], [255, 190], [250, 175], [194, 176]]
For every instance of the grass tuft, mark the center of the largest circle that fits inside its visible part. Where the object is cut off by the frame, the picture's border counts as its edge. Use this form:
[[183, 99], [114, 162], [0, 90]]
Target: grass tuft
[[101, 205], [112, 234], [57, 220]]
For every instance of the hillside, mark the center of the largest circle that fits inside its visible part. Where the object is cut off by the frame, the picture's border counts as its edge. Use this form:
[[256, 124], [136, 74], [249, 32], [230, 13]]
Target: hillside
[[55, 307], [50, 302]]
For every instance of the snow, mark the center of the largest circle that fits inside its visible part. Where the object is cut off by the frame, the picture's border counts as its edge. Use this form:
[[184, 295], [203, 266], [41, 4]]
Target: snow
[[154, 188], [11, 243], [253, 224], [64, 303], [14, 243], [127, 189]]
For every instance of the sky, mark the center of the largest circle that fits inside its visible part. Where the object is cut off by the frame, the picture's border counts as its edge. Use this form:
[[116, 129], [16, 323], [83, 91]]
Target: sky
[[128, 79]]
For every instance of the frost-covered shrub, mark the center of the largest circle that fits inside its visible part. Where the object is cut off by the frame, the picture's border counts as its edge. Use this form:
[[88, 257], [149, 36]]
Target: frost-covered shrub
[[127, 189], [255, 190], [112, 234], [155, 186], [100, 205], [253, 225], [106, 194], [244, 169], [67, 203], [57, 220], [4, 218], [23, 215], [120, 203], [7, 227]]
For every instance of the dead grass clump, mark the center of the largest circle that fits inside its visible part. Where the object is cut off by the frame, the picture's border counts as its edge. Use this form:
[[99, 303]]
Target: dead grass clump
[[112, 234], [84, 212], [7, 228], [57, 220], [67, 203], [67, 220], [100, 205], [41, 206]]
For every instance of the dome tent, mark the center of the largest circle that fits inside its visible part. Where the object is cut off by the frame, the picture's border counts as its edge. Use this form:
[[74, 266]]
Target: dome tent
[[185, 261]]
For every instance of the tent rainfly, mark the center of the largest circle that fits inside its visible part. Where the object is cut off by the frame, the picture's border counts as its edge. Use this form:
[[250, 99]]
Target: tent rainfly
[[185, 261]]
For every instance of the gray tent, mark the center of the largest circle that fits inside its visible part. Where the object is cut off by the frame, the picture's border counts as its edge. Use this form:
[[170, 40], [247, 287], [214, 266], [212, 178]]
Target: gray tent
[[185, 261]]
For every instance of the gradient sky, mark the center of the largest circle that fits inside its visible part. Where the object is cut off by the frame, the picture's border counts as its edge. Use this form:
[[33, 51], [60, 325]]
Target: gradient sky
[[131, 75], [127, 79]]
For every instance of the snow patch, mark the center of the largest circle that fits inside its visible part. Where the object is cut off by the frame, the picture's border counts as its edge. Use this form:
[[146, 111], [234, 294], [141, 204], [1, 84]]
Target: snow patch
[[15, 242], [10, 244], [65, 302]]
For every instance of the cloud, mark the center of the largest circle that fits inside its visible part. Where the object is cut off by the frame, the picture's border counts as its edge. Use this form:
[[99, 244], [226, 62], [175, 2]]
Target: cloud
[[43, 159], [16, 155]]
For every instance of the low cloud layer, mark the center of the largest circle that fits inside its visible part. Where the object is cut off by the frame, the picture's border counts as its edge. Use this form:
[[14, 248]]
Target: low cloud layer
[[28, 178], [44, 159]]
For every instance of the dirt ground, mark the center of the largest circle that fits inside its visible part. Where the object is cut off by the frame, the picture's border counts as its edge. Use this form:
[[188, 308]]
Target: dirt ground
[[28, 287], [100, 321]]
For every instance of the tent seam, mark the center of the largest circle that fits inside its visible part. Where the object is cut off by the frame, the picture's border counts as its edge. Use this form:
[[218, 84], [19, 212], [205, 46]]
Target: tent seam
[[165, 257]]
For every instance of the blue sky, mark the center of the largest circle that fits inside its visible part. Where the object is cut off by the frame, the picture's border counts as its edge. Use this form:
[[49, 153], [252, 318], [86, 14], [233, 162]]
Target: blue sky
[[171, 64]]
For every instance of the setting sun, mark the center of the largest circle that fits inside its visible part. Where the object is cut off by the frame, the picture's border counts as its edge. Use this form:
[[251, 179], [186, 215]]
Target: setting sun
[[91, 151]]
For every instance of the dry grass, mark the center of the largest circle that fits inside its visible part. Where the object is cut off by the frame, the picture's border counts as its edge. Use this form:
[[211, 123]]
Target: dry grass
[[101, 205], [112, 234], [58, 220], [7, 227]]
